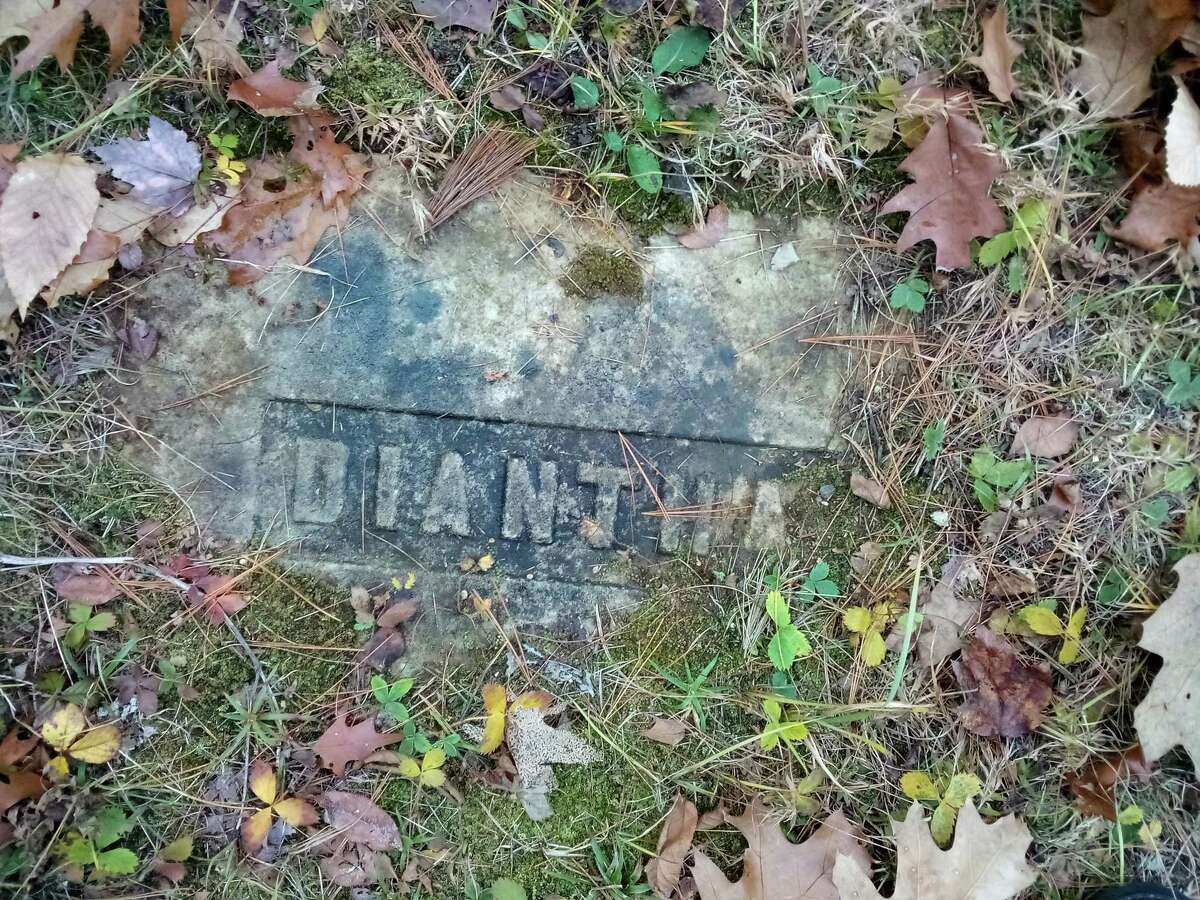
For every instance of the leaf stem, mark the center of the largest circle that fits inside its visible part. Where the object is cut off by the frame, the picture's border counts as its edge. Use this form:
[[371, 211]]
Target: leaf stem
[[910, 622]]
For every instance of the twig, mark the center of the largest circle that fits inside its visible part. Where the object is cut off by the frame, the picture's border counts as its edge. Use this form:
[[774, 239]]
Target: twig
[[29, 561]]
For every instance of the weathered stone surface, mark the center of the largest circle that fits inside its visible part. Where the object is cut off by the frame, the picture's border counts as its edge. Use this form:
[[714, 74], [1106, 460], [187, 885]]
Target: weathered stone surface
[[398, 405]]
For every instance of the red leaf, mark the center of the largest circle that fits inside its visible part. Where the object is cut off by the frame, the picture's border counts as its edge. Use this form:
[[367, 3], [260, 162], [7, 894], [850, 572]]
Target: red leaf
[[1093, 785], [1006, 695], [268, 93]]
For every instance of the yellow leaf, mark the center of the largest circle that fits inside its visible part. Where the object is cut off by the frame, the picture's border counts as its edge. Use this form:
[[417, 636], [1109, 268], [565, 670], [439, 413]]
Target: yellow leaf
[[319, 25], [918, 786], [409, 767], [1069, 651], [1150, 831], [1041, 620], [873, 648], [857, 619], [96, 746], [495, 702], [262, 782], [255, 829], [533, 700], [59, 767], [434, 759], [295, 811], [433, 778], [1075, 623], [63, 727], [411, 581], [485, 562], [795, 731]]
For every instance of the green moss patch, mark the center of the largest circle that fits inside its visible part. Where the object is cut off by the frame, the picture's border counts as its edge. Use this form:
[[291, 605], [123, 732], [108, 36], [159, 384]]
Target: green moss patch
[[597, 272]]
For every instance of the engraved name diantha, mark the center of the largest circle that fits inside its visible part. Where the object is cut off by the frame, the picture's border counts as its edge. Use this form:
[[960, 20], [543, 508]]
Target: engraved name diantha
[[543, 501]]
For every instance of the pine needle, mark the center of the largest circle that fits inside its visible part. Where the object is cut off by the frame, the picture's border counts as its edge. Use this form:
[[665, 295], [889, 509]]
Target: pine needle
[[488, 161]]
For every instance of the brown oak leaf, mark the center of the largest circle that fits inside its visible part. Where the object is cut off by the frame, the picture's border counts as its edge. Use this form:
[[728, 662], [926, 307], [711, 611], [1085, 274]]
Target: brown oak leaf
[[674, 845], [1093, 785], [1006, 697], [998, 54], [773, 868], [952, 173], [945, 614], [1170, 712], [314, 145], [1048, 436], [360, 820], [1159, 215], [984, 861], [1118, 53], [268, 93], [342, 743]]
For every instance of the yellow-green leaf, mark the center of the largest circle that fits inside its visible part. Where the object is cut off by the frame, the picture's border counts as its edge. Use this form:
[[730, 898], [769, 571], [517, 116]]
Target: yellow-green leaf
[[1041, 620], [409, 767], [1130, 815], [96, 746], [433, 778], [495, 702], [961, 789], [873, 648], [942, 824], [918, 786], [795, 731], [63, 727], [857, 619], [179, 850], [434, 759], [1075, 623]]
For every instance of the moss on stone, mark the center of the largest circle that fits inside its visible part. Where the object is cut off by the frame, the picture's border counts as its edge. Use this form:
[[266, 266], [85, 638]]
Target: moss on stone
[[597, 272], [645, 213]]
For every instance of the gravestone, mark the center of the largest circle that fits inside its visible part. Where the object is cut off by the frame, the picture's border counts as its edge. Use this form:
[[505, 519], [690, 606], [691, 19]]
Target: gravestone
[[542, 388]]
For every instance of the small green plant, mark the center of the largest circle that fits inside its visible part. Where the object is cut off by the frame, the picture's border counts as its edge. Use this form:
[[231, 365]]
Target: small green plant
[[932, 439], [960, 788], [1180, 478], [866, 627], [1185, 387], [515, 16], [788, 643], [644, 168], [909, 294], [1029, 224], [822, 89], [1045, 622], [390, 695], [501, 889], [85, 622], [93, 854], [622, 875], [817, 583], [681, 49], [780, 726], [584, 91], [693, 689], [993, 475], [1113, 588], [224, 166], [304, 10], [257, 717]]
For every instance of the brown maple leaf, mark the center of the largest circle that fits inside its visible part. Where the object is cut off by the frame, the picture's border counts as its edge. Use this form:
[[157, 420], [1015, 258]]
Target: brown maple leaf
[[342, 743], [268, 93], [1119, 49], [773, 868], [55, 31], [1170, 712], [952, 174], [1006, 696], [998, 54], [984, 861]]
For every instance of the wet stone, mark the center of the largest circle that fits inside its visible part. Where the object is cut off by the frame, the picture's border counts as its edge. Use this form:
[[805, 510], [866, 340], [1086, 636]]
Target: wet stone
[[399, 406]]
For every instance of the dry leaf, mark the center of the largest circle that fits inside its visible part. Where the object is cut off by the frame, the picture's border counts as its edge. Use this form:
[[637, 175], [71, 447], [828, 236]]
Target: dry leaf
[[945, 614], [162, 169], [314, 145], [666, 731], [1118, 53], [215, 38], [277, 218], [20, 786], [17, 17], [1093, 785], [998, 54], [1011, 583], [1048, 436], [474, 14], [1160, 214], [354, 865], [210, 595], [268, 93], [1170, 712], [342, 743], [1183, 139], [119, 221], [142, 685], [952, 174], [684, 98], [1006, 696], [986, 862], [360, 820], [674, 845], [710, 233], [534, 745], [870, 490], [45, 216], [716, 14], [773, 868], [172, 230], [91, 590]]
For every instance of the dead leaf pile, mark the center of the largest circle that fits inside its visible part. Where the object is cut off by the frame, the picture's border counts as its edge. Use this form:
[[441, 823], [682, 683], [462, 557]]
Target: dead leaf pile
[[364, 832], [1169, 715], [984, 861]]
